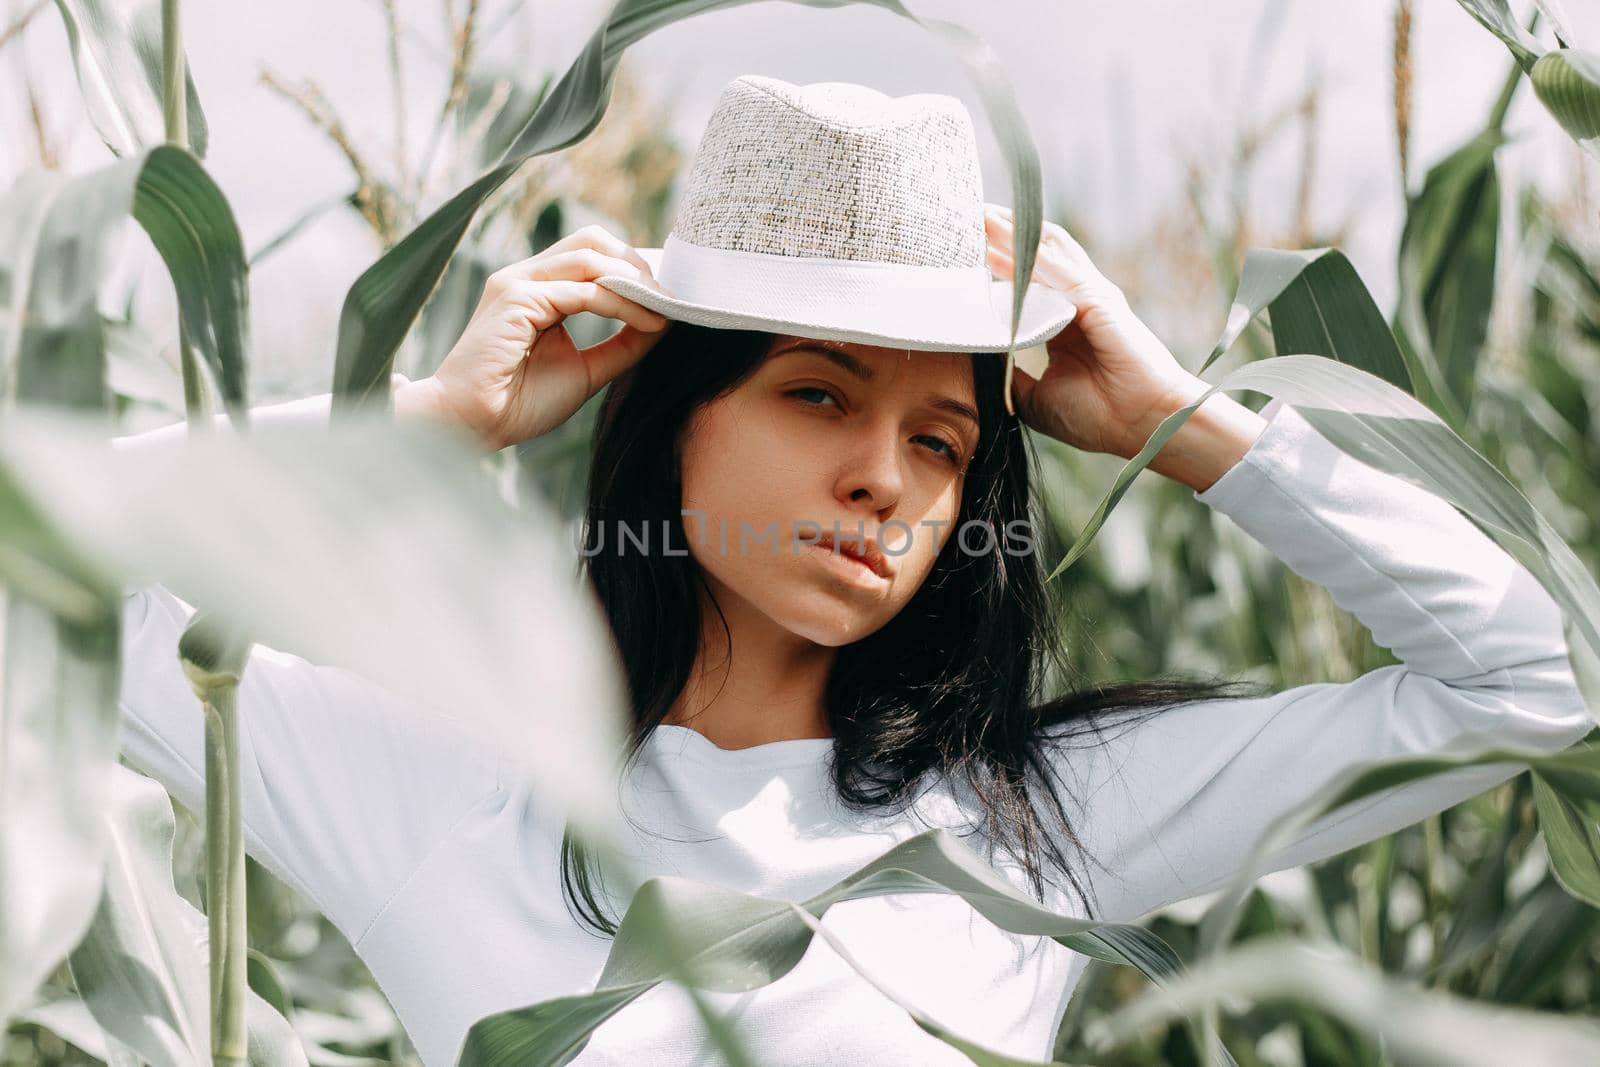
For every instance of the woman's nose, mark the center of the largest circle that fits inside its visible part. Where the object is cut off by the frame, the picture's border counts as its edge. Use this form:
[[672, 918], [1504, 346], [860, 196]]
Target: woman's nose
[[871, 474]]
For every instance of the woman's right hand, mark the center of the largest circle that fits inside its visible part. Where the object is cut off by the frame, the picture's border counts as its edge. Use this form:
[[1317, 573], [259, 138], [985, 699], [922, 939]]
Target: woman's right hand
[[514, 373]]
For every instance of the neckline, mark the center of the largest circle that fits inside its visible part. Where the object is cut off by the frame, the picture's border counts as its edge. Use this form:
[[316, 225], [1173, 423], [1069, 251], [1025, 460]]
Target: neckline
[[685, 742]]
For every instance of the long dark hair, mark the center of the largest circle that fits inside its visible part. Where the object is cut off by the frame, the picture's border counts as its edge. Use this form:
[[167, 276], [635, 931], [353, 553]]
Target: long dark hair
[[950, 684]]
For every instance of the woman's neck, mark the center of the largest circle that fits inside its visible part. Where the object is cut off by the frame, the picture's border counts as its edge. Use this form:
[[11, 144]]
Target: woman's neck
[[756, 683]]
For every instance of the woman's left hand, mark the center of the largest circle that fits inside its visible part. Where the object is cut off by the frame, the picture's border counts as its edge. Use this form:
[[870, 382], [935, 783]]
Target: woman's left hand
[[1110, 380]]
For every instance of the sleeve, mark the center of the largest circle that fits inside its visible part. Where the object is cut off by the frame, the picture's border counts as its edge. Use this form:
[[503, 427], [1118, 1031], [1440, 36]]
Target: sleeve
[[345, 787], [1171, 805]]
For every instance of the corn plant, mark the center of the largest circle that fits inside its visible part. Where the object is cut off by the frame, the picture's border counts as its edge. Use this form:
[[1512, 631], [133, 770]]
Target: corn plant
[[1406, 394]]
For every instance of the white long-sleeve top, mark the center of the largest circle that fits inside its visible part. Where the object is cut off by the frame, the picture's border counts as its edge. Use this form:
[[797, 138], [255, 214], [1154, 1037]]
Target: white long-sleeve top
[[441, 867]]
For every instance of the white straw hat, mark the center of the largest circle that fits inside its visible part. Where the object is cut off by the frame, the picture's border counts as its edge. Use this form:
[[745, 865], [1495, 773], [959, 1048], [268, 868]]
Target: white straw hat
[[834, 211]]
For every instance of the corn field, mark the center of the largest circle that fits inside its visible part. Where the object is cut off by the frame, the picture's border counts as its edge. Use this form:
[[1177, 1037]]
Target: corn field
[[135, 930]]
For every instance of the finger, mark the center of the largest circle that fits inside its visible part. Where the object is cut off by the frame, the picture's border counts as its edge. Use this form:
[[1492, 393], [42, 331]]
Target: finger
[[1057, 232], [998, 227], [618, 352], [1001, 225], [602, 240], [571, 297], [1005, 221], [582, 264], [1046, 270], [1001, 263], [1004, 265], [1060, 260]]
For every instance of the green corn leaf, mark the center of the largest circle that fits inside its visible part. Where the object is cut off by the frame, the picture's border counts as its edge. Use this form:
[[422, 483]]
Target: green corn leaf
[[978, 1054], [51, 340], [1495, 16], [70, 1020], [1479, 908], [55, 244], [141, 968], [451, 305], [265, 982], [1416, 1026], [515, 109], [53, 250], [384, 302], [1267, 273], [192, 227], [135, 368], [1567, 81], [308, 516], [58, 630], [1317, 304], [1571, 826], [1327, 311], [60, 652], [116, 47], [1546, 930], [1387, 429], [58, 638], [736, 941], [1447, 261], [58, 714], [1222, 918]]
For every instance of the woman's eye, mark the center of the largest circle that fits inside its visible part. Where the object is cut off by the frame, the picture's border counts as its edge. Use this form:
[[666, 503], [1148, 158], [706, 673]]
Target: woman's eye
[[815, 396], [814, 390], [945, 449]]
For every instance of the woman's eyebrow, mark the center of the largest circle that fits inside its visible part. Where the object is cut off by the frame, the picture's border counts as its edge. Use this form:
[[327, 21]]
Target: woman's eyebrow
[[954, 407], [833, 355], [856, 367]]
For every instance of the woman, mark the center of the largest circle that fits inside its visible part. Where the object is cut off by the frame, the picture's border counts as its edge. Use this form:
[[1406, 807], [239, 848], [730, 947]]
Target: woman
[[798, 712]]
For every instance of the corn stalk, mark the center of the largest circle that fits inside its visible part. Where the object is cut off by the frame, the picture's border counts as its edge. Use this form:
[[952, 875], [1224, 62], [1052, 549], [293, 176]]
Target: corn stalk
[[213, 662]]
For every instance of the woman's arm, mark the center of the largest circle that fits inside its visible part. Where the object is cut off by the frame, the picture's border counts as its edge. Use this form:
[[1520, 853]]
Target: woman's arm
[[420, 399], [345, 786], [1173, 805]]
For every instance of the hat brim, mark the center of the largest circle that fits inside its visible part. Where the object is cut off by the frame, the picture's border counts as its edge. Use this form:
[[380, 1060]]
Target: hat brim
[[895, 317]]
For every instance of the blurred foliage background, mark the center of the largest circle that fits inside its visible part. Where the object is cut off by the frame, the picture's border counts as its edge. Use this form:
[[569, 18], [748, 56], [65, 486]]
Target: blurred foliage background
[[1509, 284]]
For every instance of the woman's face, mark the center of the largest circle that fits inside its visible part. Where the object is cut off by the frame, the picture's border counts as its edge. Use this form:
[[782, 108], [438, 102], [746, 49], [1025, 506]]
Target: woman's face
[[824, 432]]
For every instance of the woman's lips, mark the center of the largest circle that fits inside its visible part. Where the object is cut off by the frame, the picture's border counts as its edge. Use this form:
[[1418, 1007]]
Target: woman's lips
[[871, 561]]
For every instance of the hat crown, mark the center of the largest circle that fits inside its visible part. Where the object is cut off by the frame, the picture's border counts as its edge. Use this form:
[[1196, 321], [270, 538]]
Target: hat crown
[[839, 171]]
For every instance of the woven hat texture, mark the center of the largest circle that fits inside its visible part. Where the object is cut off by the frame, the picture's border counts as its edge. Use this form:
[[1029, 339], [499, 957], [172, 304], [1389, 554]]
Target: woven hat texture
[[834, 210], [841, 171]]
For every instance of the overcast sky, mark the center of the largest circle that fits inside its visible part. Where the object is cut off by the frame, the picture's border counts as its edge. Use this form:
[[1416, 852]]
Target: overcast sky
[[1116, 95]]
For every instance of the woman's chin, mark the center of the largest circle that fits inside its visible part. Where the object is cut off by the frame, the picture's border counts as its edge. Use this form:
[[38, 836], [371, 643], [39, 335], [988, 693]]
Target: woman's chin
[[830, 617]]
